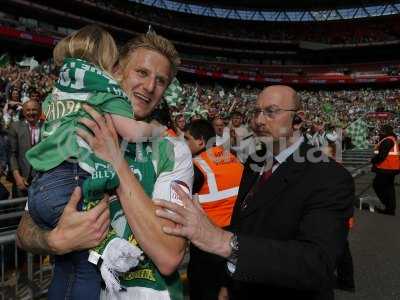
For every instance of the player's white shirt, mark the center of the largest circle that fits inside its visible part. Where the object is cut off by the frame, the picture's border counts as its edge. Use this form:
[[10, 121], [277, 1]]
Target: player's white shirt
[[182, 171]]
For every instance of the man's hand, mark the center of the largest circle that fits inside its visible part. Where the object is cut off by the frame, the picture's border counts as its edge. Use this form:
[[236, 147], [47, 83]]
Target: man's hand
[[21, 182], [80, 230], [75, 230], [104, 140], [223, 294], [194, 224]]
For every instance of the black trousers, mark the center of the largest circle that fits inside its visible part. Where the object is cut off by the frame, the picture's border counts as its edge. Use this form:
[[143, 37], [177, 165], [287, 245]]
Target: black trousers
[[384, 188], [4, 193], [345, 268], [206, 274]]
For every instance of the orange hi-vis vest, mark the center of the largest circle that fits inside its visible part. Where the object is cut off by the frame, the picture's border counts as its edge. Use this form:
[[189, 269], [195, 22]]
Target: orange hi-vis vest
[[392, 161], [169, 132], [222, 174]]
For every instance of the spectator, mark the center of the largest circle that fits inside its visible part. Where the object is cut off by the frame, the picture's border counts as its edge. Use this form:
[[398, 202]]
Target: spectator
[[11, 111], [4, 160], [23, 135], [221, 133], [35, 96], [180, 125], [240, 132]]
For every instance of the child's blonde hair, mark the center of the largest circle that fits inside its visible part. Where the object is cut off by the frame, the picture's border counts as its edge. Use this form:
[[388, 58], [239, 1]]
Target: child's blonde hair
[[91, 43]]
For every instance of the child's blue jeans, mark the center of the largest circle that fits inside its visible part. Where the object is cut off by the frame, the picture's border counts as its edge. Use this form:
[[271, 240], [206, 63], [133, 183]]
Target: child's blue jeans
[[74, 277]]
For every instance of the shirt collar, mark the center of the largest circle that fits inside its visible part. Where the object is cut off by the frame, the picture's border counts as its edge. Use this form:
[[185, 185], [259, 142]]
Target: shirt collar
[[284, 154]]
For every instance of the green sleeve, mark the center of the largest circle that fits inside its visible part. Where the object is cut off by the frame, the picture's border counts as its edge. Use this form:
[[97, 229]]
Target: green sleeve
[[112, 104], [118, 107]]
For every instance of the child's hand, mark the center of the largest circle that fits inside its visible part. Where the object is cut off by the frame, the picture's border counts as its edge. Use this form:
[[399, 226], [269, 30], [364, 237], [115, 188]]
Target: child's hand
[[104, 140]]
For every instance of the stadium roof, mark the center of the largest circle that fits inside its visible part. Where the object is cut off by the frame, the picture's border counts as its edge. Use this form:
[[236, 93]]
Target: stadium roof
[[285, 4], [280, 11]]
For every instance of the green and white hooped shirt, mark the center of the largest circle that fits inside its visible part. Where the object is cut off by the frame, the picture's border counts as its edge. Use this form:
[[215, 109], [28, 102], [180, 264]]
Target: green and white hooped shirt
[[156, 165]]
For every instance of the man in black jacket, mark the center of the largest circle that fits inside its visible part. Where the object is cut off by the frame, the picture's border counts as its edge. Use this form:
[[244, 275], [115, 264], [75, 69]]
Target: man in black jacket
[[386, 167], [288, 226], [4, 160]]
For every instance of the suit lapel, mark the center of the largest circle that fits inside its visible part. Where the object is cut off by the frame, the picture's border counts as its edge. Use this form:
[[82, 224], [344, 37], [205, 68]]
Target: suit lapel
[[25, 134], [247, 182], [249, 178]]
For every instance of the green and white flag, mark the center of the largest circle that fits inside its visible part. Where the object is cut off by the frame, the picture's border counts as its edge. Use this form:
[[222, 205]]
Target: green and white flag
[[4, 60], [327, 108], [174, 93], [358, 132], [193, 107]]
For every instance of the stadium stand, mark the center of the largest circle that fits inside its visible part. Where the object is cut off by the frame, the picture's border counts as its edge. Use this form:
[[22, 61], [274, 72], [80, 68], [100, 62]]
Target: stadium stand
[[345, 67]]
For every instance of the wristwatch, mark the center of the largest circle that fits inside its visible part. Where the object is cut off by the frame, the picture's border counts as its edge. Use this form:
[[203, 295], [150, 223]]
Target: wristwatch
[[234, 244]]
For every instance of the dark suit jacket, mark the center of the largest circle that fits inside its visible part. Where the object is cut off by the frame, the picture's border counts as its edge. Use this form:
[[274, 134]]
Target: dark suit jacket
[[292, 232], [4, 150], [20, 143]]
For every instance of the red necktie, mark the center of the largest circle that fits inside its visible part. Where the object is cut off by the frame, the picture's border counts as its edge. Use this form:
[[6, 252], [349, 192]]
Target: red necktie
[[257, 185], [264, 177]]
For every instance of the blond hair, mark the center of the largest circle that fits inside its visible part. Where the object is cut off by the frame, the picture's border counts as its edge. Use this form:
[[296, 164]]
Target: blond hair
[[91, 43], [155, 42]]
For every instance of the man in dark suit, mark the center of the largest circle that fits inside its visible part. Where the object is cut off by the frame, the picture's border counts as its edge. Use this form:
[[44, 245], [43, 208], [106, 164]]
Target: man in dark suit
[[4, 159], [22, 136], [289, 223]]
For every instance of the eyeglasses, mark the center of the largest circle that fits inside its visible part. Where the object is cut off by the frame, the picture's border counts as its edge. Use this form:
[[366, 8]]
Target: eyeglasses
[[270, 112]]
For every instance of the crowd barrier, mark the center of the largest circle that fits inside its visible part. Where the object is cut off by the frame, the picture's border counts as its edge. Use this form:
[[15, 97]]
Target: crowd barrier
[[23, 275]]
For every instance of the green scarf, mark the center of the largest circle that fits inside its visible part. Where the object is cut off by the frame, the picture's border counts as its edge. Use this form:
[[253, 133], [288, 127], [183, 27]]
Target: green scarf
[[80, 76]]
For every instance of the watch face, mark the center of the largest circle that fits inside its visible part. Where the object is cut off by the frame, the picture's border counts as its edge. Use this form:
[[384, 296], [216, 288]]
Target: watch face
[[234, 242]]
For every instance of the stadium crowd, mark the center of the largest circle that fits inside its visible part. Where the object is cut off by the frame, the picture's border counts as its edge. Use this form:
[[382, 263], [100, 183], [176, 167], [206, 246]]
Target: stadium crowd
[[19, 84], [334, 107], [326, 112]]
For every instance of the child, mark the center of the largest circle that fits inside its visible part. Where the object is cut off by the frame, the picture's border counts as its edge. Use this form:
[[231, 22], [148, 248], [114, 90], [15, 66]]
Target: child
[[64, 161]]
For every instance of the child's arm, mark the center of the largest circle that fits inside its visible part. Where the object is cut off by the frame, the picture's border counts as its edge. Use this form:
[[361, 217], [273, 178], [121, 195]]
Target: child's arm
[[133, 130]]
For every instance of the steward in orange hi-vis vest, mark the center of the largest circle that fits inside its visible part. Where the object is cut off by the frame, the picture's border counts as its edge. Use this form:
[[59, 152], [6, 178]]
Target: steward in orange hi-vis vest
[[217, 175], [392, 160], [386, 165], [222, 173]]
